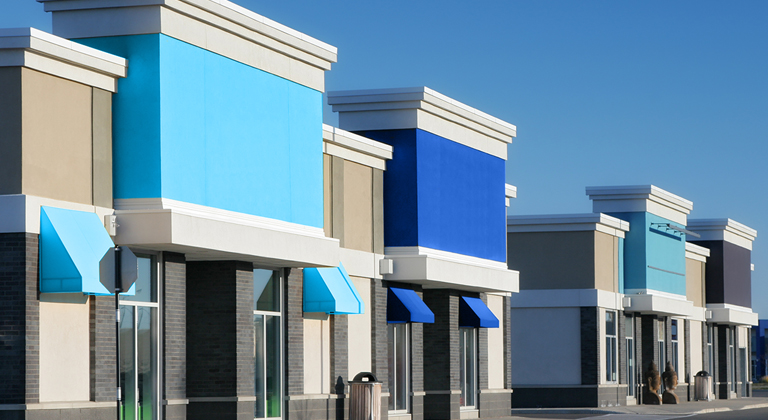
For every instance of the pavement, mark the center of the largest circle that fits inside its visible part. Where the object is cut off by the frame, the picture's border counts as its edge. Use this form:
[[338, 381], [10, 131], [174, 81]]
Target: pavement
[[759, 400]]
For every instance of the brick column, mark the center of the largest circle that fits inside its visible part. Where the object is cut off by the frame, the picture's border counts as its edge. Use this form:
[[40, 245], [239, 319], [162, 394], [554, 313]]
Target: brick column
[[20, 315], [102, 335], [220, 366], [339, 348], [294, 331], [590, 346], [638, 323], [650, 347], [508, 343], [379, 362], [417, 369], [441, 356], [621, 341], [723, 366], [174, 318]]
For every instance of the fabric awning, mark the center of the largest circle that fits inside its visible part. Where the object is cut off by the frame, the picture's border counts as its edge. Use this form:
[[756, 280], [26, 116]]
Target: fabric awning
[[72, 244], [404, 305], [474, 313], [330, 290]]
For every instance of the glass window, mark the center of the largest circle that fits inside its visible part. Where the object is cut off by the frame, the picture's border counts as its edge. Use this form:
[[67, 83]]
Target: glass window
[[629, 332], [711, 354], [139, 386], [675, 347], [398, 366], [610, 347], [732, 359], [267, 343], [468, 368]]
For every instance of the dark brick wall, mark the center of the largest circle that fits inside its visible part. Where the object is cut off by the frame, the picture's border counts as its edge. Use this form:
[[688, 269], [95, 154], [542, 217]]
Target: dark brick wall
[[723, 364], [650, 343], [508, 342], [339, 325], [621, 339], [102, 335], [638, 322], [417, 369], [441, 368], [482, 352], [19, 319], [219, 322], [590, 346], [495, 404], [379, 363], [175, 333], [294, 331]]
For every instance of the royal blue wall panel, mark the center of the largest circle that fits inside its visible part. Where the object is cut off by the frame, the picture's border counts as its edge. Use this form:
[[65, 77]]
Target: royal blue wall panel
[[443, 195], [227, 135]]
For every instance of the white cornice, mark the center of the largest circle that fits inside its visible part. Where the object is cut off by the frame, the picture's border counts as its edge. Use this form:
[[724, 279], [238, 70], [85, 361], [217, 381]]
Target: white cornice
[[640, 198], [510, 191], [41, 51], [568, 223], [422, 108], [21, 213], [723, 230], [350, 146], [731, 314], [696, 252], [216, 25], [655, 302]]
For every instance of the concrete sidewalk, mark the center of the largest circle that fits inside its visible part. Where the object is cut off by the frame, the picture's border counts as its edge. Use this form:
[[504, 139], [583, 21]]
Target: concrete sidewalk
[[684, 408]]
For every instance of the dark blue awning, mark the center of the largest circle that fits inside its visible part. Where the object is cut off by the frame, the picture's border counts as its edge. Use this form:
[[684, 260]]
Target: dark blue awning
[[474, 313], [330, 290], [404, 305]]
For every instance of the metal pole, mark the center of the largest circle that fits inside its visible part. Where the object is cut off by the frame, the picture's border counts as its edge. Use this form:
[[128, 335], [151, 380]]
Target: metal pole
[[118, 283]]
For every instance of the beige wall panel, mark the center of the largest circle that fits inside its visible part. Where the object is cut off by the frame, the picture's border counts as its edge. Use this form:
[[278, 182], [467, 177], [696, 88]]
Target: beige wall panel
[[378, 211], [56, 126], [552, 260], [337, 197], [317, 361], [10, 130], [327, 197], [694, 282], [606, 262], [65, 350], [697, 359], [359, 343], [358, 207], [102, 147], [496, 344]]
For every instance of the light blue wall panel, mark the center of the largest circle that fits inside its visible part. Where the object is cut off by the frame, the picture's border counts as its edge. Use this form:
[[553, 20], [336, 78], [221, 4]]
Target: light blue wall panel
[[136, 115], [194, 126]]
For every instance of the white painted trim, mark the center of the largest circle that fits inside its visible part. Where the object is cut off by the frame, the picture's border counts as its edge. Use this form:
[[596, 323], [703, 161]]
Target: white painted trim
[[696, 252], [630, 292], [21, 212], [638, 198], [510, 191], [727, 230], [205, 233], [698, 314], [731, 314], [659, 303], [361, 263], [41, 51], [422, 108], [355, 148], [57, 405], [214, 25], [567, 298], [568, 223], [439, 269]]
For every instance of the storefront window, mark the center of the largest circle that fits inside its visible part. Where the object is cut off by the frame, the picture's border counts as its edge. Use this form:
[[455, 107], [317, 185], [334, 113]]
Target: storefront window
[[610, 347], [675, 347], [138, 346], [468, 369], [398, 366], [267, 337]]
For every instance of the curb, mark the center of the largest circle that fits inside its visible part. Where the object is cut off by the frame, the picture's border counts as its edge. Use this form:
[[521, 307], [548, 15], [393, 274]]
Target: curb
[[564, 411]]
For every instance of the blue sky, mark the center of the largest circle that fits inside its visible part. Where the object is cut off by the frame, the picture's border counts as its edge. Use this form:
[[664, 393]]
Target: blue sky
[[602, 92]]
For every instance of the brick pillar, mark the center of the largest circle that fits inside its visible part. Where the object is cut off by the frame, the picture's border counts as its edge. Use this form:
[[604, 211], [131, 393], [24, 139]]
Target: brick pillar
[[379, 362], [723, 366], [220, 370], [102, 334], [339, 348], [482, 352], [590, 346], [638, 323], [174, 318], [417, 369], [650, 347], [20, 315], [294, 331], [441, 360], [508, 342], [621, 339]]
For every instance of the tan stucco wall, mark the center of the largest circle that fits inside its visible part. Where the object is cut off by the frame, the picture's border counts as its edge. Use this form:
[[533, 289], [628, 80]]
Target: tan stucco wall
[[64, 349], [327, 197], [697, 359], [317, 361], [496, 344], [56, 130], [694, 282], [359, 344], [606, 262], [102, 147], [552, 260], [358, 207], [10, 130]]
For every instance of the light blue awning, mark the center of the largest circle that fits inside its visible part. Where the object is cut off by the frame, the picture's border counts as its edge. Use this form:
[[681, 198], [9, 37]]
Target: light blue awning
[[474, 313], [330, 290], [72, 244]]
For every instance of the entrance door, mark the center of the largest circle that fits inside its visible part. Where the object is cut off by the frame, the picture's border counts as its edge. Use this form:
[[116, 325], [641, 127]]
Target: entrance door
[[468, 371]]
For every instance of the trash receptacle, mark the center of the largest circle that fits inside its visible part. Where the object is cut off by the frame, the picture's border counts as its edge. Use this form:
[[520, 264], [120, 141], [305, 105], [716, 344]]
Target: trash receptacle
[[703, 386], [364, 397]]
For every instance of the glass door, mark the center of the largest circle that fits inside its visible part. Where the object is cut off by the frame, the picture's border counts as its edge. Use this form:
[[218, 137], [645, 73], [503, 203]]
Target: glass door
[[630, 341], [398, 367], [139, 379], [267, 345]]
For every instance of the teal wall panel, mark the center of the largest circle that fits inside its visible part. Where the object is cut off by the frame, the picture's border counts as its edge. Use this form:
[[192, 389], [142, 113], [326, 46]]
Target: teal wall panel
[[194, 126]]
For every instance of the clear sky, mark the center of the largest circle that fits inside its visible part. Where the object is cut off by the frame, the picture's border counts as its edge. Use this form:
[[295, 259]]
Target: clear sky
[[670, 93]]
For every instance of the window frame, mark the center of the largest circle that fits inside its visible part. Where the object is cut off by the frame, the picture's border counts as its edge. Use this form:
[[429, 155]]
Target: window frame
[[392, 364], [279, 314]]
